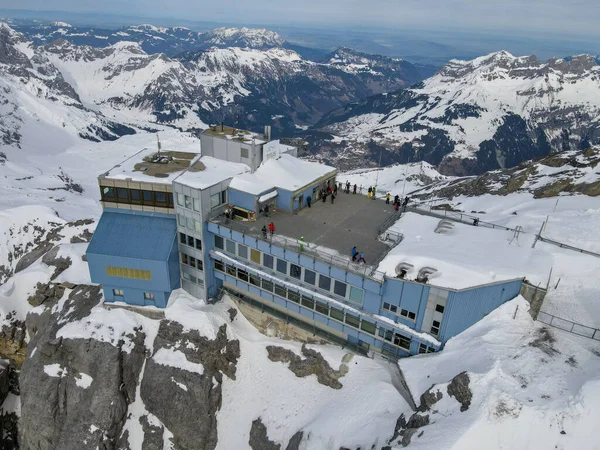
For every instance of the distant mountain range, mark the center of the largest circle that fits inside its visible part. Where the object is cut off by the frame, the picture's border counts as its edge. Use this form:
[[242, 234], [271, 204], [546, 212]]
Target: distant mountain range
[[472, 116]]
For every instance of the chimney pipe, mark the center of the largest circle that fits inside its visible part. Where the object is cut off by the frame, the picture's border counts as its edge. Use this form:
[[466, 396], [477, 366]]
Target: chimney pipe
[[268, 132], [221, 127]]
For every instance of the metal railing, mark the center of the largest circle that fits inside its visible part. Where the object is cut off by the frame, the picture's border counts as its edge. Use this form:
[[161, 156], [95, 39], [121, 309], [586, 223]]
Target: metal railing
[[567, 246], [569, 326], [457, 217], [303, 248]]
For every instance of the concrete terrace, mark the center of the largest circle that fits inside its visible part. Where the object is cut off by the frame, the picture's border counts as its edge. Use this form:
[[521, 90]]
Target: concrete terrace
[[353, 220]]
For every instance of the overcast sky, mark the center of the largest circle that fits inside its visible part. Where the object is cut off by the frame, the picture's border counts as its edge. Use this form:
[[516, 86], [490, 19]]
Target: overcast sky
[[574, 17]]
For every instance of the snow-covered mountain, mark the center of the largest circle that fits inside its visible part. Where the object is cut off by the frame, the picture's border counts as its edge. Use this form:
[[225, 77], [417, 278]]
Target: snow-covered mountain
[[492, 112]]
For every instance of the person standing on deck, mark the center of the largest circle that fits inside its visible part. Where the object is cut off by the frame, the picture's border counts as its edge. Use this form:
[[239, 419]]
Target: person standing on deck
[[301, 242], [347, 187], [354, 253], [373, 193], [361, 257], [308, 201], [266, 210], [335, 189], [332, 197], [387, 198], [369, 192], [354, 190], [264, 231], [324, 197], [272, 228]]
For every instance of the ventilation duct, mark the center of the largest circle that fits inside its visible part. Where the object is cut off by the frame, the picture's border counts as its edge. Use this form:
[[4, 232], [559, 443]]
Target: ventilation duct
[[425, 273], [403, 268]]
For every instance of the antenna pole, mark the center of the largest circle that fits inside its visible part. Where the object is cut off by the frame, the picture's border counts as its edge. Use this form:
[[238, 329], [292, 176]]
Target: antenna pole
[[158, 143]]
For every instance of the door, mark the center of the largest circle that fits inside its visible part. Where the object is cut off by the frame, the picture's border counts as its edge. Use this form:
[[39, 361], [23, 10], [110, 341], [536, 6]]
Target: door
[[301, 201]]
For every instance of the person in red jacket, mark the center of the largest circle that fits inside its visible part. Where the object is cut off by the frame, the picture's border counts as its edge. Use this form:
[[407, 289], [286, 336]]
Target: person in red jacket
[[271, 228]]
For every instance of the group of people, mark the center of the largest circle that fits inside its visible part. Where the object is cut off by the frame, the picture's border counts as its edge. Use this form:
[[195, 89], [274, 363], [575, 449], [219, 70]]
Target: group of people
[[397, 201], [358, 256], [271, 229], [332, 191]]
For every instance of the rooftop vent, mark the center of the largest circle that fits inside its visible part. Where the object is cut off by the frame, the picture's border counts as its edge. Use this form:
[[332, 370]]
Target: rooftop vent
[[160, 159], [425, 273], [444, 226], [213, 127], [403, 268]]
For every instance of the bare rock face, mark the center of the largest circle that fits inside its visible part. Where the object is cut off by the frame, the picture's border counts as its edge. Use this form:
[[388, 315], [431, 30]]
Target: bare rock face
[[312, 364], [259, 439], [459, 389], [60, 264], [12, 341]]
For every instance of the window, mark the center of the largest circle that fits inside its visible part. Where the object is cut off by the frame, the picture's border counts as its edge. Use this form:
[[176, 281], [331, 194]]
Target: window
[[254, 280], [351, 320], [219, 266], [108, 192], [190, 241], [337, 314], [308, 302], [189, 223], [244, 152], [295, 271], [184, 258], [219, 242], [339, 288], [136, 195], [242, 275], [281, 266], [198, 244], [230, 247], [181, 220], [197, 226], [182, 238], [188, 201], [435, 328], [281, 291], [180, 199], [389, 335], [123, 272], [310, 277], [160, 197], [255, 256], [439, 308], [294, 296], [426, 349], [324, 282], [367, 327], [404, 313], [242, 251], [118, 293], [267, 285], [231, 271], [267, 261], [402, 341], [192, 261], [322, 308], [196, 204], [218, 199], [394, 309], [147, 196], [199, 264], [193, 279], [356, 295], [170, 199], [386, 306], [148, 296], [186, 276], [412, 315], [122, 194]]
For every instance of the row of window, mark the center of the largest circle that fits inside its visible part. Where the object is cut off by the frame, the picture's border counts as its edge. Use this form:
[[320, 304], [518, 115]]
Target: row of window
[[123, 272], [192, 278], [185, 201], [191, 261], [308, 302], [426, 349], [137, 196], [190, 224], [399, 311], [323, 282], [190, 241], [435, 327], [395, 338], [120, 293]]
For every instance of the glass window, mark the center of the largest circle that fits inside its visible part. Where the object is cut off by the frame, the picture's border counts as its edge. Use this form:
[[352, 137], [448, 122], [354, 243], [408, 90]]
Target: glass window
[[188, 201], [435, 327], [412, 315], [230, 247], [322, 308], [118, 292], [381, 332], [439, 308], [186, 276], [339, 288], [199, 264], [324, 282], [402, 341], [352, 320], [281, 266], [367, 327], [244, 152], [184, 258], [404, 313], [192, 261], [136, 195], [356, 295], [294, 296], [389, 335], [190, 241], [180, 199], [386, 306], [267, 261], [215, 200], [281, 291], [337, 314], [219, 266], [219, 242], [182, 238], [108, 192], [310, 277], [308, 302], [243, 275], [170, 198], [148, 295], [181, 220], [193, 279], [242, 251], [223, 196], [189, 223], [198, 244], [160, 197], [197, 226], [196, 204], [267, 285], [255, 256], [295, 271], [122, 193], [231, 271], [393, 308], [254, 280], [147, 196]]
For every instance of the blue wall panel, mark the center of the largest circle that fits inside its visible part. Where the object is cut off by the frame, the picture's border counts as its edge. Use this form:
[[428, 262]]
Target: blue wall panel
[[241, 199], [284, 199]]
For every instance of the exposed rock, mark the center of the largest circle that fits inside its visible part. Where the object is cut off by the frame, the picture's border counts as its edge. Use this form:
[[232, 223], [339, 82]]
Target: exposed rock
[[52, 259], [12, 341], [45, 292], [153, 435], [32, 256], [3, 382], [259, 439], [85, 236], [232, 313], [295, 441], [429, 398], [313, 364], [459, 389]]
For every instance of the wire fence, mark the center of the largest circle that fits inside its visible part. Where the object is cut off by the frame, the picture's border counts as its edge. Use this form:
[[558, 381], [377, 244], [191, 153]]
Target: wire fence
[[569, 326], [568, 247], [457, 217]]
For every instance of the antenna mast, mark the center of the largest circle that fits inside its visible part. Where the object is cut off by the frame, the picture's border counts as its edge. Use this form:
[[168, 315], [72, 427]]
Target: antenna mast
[[158, 144]]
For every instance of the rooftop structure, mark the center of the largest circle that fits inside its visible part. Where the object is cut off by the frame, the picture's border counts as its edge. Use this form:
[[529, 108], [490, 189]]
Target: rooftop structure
[[235, 134], [208, 171]]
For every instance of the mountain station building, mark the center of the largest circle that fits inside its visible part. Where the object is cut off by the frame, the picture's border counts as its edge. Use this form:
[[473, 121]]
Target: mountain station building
[[195, 221]]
